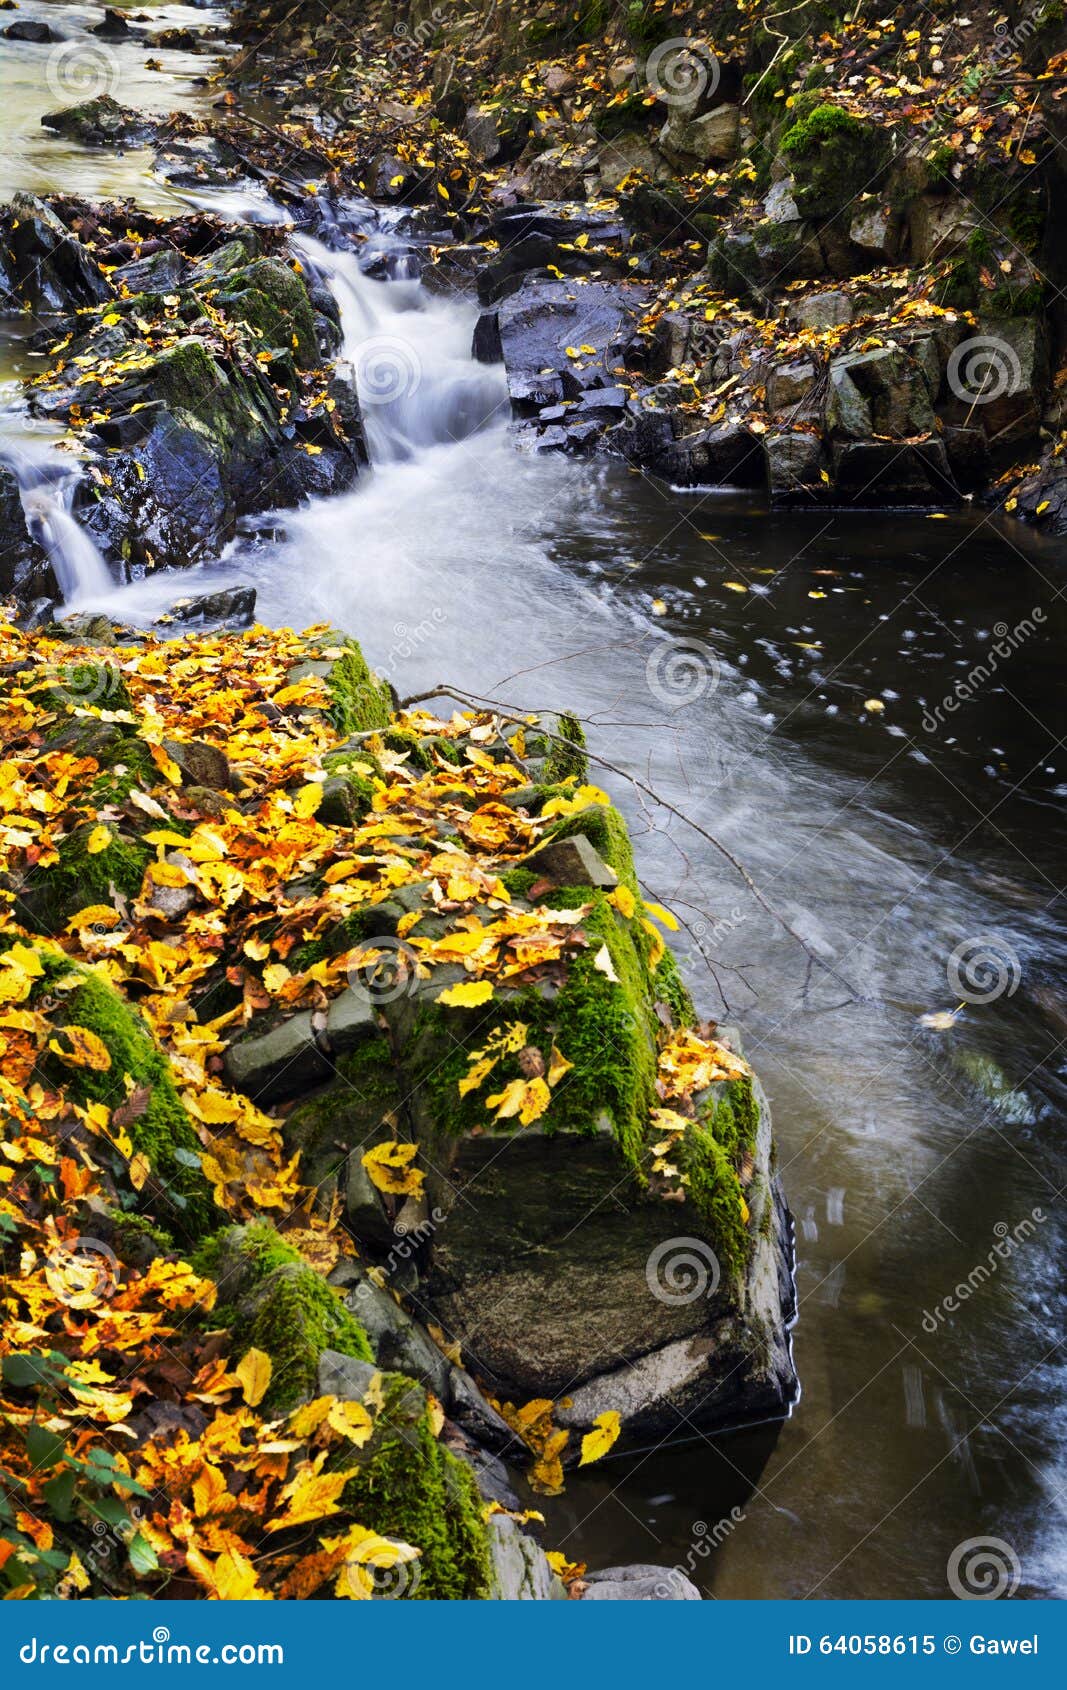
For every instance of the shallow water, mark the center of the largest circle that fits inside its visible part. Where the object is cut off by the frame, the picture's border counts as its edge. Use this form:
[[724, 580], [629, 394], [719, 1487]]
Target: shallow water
[[734, 660]]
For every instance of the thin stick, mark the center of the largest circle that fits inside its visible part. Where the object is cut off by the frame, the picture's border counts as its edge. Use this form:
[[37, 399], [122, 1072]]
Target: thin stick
[[475, 701]]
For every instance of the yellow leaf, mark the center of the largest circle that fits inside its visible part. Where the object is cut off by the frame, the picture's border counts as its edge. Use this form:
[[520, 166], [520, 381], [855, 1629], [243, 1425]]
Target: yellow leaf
[[624, 901], [873, 704], [307, 801], [389, 1168], [603, 962], [138, 1169], [606, 1429], [557, 1067], [88, 1049], [467, 995], [662, 915], [98, 840], [254, 1371]]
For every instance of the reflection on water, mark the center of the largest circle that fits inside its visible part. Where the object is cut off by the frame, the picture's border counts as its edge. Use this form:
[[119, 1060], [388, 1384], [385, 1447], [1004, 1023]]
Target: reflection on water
[[44, 77]]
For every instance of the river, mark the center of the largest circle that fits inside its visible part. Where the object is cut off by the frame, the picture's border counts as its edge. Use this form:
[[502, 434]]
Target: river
[[866, 708]]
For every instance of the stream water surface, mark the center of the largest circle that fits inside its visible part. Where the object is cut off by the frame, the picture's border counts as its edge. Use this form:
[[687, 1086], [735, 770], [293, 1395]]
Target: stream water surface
[[781, 679]]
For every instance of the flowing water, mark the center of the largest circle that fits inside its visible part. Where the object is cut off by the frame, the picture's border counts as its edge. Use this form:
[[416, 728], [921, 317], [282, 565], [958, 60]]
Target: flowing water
[[866, 710]]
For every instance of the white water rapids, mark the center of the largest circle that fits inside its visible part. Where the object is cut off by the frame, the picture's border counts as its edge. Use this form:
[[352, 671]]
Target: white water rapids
[[542, 583]]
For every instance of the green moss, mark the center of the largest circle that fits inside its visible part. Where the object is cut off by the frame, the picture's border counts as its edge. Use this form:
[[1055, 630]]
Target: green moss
[[605, 829], [82, 877], [710, 1155], [271, 298], [833, 156], [325, 1128], [408, 1486], [517, 881], [359, 700], [163, 1132], [567, 760], [671, 989], [281, 1306]]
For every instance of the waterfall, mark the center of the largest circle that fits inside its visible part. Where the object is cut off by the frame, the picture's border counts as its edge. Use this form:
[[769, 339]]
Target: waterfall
[[47, 481], [410, 352]]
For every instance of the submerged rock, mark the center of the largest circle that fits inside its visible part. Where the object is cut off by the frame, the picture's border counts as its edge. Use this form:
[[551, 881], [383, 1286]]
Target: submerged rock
[[100, 122]]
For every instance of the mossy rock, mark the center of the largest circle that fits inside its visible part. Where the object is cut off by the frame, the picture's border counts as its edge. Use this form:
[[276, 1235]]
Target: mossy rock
[[163, 1131], [280, 1305], [408, 1486], [834, 157], [271, 300], [360, 700]]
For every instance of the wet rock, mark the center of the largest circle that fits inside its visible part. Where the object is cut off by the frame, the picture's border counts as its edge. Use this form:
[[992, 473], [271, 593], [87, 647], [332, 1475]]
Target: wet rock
[[520, 1569], [474, 1415], [714, 136], [232, 607], [640, 1584], [571, 862], [562, 173], [113, 26], [878, 472], [497, 133], [176, 40], [201, 763], [41, 265], [350, 1020], [939, 226], [30, 29], [277, 1064], [196, 160], [893, 394], [399, 1342], [343, 1376], [531, 329], [25, 571], [794, 464], [100, 122], [723, 456], [875, 230], [551, 1291]]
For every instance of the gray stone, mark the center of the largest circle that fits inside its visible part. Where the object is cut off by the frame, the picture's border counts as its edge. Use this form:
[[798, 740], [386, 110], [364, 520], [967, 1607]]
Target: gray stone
[[562, 173], [894, 387], [780, 206], [627, 154], [571, 862], [875, 230], [474, 1415], [847, 411], [883, 472], [640, 1584], [714, 136], [201, 763], [794, 461], [363, 1204], [789, 385], [350, 1020], [939, 226], [398, 1342], [519, 1568], [823, 310], [278, 1064], [344, 1376]]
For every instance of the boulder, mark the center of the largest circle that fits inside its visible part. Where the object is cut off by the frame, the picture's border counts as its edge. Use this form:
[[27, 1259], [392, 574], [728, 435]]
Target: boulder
[[231, 607], [31, 29], [714, 136], [41, 265], [789, 385], [794, 464], [883, 472], [629, 154], [884, 391], [201, 763], [562, 173], [723, 456], [520, 1568], [552, 1291], [278, 1063], [497, 133], [822, 310], [100, 122], [875, 230], [573, 861], [641, 1583], [531, 329], [939, 226], [25, 571], [996, 377]]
